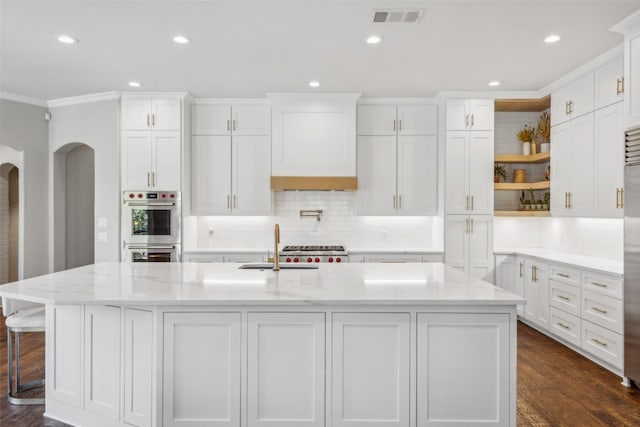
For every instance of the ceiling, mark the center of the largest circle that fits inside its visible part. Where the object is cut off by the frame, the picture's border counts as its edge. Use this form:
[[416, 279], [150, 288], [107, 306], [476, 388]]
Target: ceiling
[[245, 48]]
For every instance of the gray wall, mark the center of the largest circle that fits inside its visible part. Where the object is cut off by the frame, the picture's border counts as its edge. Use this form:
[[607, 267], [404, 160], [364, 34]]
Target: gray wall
[[95, 124], [79, 201], [23, 127]]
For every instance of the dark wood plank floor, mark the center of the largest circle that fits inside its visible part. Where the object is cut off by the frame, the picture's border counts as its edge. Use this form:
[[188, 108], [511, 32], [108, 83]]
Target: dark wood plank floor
[[556, 386]]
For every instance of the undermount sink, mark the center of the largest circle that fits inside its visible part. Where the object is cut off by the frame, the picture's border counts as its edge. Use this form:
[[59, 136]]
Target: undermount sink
[[269, 266]]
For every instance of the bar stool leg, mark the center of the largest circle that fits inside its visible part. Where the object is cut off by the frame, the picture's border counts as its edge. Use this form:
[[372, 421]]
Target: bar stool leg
[[10, 395]]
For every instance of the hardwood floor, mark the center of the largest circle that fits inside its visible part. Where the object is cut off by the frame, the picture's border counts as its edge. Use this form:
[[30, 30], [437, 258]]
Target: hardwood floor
[[556, 386]]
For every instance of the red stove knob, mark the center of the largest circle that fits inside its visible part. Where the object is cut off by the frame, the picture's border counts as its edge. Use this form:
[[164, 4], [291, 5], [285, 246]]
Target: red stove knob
[[338, 259], [173, 196], [131, 196], [309, 259], [296, 260], [330, 259], [288, 259], [317, 260], [164, 196]]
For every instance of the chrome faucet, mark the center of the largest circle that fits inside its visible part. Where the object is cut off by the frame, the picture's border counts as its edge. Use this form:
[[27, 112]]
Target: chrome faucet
[[276, 240]]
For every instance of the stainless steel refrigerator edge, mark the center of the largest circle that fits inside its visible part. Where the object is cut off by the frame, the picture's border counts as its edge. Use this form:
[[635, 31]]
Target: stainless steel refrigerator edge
[[632, 256]]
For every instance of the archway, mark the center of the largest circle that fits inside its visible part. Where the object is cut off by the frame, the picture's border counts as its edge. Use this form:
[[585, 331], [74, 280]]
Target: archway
[[73, 206], [9, 222]]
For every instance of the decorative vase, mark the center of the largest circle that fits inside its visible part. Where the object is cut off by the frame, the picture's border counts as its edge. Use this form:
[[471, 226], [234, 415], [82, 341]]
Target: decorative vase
[[544, 147], [496, 179], [519, 175], [534, 148], [526, 148]]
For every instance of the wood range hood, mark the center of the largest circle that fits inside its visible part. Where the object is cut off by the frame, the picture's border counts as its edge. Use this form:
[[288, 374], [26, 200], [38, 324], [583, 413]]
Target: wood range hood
[[314, 183]]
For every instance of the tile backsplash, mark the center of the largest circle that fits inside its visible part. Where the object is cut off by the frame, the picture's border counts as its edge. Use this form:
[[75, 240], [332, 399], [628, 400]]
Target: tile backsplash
[[339, 224]]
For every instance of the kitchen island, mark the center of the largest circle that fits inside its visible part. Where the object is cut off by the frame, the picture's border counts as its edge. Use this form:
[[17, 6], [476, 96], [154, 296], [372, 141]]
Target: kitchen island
[[170, 344]]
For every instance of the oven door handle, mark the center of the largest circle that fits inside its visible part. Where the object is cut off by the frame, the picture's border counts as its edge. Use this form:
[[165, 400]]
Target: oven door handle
[[150, 204], [151, 247]]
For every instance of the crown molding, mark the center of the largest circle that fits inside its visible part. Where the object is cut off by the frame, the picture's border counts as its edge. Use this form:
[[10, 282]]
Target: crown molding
[[165, 95], [23, 99], [83, 99], [234, 101]]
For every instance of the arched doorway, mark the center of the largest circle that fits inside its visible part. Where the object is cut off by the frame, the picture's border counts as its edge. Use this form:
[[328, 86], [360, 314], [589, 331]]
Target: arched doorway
[[73, 206], [9, 223]]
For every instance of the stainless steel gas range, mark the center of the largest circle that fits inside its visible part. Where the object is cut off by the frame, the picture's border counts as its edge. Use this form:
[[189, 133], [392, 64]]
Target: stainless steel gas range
[[314, 254]]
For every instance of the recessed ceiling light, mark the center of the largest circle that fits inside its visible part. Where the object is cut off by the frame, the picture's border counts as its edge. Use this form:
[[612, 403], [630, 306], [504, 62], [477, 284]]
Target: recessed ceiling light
[[374, 39], [552, 38], [181, 39], [67, 39], [314, 84], [134, 84], [494, 83]]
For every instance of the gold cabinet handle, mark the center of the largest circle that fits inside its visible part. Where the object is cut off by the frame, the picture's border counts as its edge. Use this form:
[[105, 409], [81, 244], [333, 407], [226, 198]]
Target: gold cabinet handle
[[566, 108], [620, 85], [600, 285], [400, 125], [235, 201], [622, 198], [400, 201], [534, 273], [563, 297], [394, 202], [597, 341], [472, 119], [471, 202], [599, 310], [570, 107], [617, 198], [394, 125], [234, 124], [563, 275], [148, 122], [565, 200], [228, 201], [148, 179], [569, 198], [562, 325], [467, 205], [153, 179], [466, 120], [521, 265], [153, 119], [228, 125]]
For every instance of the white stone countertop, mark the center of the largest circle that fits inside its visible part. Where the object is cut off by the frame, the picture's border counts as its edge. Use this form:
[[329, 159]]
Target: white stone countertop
[[582, 261], [227, 250], [398, 251], [225, 284]]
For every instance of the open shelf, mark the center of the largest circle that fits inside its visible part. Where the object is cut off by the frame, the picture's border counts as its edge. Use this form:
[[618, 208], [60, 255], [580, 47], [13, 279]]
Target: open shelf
[[542, 185], [518, 105], [520, 158], [522, 213]]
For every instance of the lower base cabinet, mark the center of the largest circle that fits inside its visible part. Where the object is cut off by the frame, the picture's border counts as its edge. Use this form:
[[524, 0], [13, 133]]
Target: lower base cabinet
[[464, 370], [138, 367]]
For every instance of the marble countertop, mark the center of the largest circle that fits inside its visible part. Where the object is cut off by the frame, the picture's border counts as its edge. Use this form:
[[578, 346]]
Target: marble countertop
[[592, 263], [225, 284], [398, 251]]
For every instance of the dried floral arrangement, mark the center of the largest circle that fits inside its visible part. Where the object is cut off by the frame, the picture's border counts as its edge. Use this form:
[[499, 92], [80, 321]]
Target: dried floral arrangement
[[527, 133], [544, 126]]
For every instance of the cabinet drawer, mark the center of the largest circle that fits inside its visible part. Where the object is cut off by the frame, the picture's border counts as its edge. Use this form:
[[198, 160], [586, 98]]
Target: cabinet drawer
[[566, 275], [564, 297], [602, 343], [602, 310], [565, 325], [603, 284]]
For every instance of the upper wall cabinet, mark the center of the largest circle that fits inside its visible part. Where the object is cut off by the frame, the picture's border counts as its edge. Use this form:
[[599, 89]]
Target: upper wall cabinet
[[397, 119], [225, 119], [572, 100], [609, 83], [630, 27], [151, 114], [470, 114]]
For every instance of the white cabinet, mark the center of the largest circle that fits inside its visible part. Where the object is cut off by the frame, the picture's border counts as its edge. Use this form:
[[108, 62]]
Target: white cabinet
[[201, 369], [536, 292], [630, 27], [397, 119], [231, 175], [285, 369], [509, 275], [151, 160], [227, 119], [473, 393], [609, 161], [397, 175], [138, 367], [573, 100], [469, 244], [609, 83], [469, 173], [151, 114], [572, 167], [370, 369], [397, 160], [518, 287], [470, 114]]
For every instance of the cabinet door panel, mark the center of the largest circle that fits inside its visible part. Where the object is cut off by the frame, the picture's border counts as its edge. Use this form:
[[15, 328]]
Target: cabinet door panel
[[371, 369], [482, 114], [561, 161], [417, 119], [519, 282], [632, 85], [211, 179], [457, 178], [166, 114], [286, 369], [376, 193], [210, 119], [582, 95], [536, 310], [167, 155], [417, 175], [251, 172], [136, 160], [136, 114], [559, 109], [609, 160], [457, 241], [481, 246], [582, 177], [64, 367], [608, 85], [472, 393], [377, 120], [138, 367], [251, 120], [481, 172], [457, 111], [201, 369]]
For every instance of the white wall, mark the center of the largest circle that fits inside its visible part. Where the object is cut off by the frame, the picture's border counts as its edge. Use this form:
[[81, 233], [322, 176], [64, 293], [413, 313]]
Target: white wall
[[95, 124], [23, 128], [599, 237], [338, 225]]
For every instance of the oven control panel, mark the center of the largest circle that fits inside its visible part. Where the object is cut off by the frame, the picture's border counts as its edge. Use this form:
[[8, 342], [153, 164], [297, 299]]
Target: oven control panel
[[151, 195]]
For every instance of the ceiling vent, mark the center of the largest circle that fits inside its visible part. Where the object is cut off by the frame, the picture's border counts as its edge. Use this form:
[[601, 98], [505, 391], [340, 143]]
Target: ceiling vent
[[397, 16]]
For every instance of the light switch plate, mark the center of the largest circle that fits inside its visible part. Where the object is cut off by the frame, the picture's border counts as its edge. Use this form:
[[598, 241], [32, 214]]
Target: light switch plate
[[102, 222], [103, 237]]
